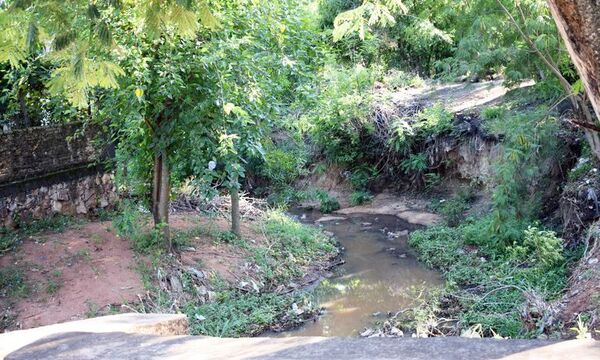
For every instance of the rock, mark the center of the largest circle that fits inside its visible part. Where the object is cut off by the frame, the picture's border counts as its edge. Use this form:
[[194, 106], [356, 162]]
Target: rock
[[176, 285], [103, 202], [593, 261], [199, 317], [366, 224], [195, 272], [81, 209], [329, 218], [202, 290], [56, 206], [328, 233], [367, 332], [396, 332]]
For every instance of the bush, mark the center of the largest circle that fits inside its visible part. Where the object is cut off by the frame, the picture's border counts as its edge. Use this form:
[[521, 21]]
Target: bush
[[396, 79], [283, 165], [360, 197], [328, 204]]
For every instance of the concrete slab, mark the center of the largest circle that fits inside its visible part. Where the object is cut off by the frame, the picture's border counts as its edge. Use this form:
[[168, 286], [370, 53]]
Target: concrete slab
[[127, 346], [155, 324]]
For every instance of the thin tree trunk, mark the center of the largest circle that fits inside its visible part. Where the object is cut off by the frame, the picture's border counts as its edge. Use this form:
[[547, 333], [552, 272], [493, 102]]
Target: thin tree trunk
[[235, 212], [163, 201], [156, 187]]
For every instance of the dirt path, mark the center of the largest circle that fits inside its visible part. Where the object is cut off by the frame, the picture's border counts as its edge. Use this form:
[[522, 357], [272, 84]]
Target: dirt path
[[456, 97], [72, 275]]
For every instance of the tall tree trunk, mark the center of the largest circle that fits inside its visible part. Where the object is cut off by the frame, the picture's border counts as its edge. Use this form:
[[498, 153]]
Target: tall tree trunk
[[235, 212], [163, 201], [578, 23], [156, 187], [160, 197]]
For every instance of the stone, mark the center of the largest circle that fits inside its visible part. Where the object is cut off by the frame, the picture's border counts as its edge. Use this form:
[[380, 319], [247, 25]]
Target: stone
[[330, 218], [62, 195], [56, 206], [81, 209]]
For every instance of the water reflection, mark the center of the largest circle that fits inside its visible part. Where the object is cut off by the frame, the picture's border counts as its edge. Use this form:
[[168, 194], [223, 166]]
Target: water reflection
[[380, 275]]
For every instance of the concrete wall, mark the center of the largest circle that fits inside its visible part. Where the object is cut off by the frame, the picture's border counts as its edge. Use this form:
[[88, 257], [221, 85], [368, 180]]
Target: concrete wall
[[52, 170]]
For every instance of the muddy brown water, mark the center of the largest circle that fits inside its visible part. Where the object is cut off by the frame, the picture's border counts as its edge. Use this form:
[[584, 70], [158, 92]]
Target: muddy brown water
[[380, 274]]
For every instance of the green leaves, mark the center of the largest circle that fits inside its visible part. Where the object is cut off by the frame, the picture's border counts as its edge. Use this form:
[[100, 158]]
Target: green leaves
[[207, 18], [369, 14]]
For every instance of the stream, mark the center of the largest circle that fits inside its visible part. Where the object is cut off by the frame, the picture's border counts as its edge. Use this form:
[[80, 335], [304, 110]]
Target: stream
[[380, 274]]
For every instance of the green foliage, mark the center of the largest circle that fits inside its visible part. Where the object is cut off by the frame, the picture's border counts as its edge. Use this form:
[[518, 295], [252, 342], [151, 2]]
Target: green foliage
[[433, 121], [415, 164], [12, 283], [398, 79], [237, 314], [361, 176], [328, 203], [453, 209], [284, 164], [539, 247], [492, 113], [528, 141], [58, 223], [132, 223], [503, 277], [292, 246], [360, 197], [341, 112]]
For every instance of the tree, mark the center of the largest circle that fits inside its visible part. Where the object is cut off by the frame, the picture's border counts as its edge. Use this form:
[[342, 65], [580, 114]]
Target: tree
[[84, 50], [578, 23], [579, 100]]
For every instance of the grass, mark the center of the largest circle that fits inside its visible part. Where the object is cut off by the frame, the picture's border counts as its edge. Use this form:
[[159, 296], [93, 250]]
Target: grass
[[12, 283], [286, 252], [236, 314], [494, 287], [9, 239]]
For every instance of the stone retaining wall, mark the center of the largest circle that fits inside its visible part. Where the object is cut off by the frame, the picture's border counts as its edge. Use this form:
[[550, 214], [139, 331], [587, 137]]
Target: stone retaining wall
[[52, 170]]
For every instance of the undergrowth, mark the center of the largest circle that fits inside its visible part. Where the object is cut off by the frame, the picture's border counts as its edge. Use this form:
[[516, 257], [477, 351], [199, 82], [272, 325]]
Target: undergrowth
[[280, 261]]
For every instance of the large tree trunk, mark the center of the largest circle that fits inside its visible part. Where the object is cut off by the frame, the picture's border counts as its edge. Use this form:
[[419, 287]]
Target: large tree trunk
[[578, 23], [235, 212]]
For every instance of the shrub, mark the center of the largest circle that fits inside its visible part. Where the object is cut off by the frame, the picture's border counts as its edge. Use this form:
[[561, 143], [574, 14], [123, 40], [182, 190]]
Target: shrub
[[283, 165], [328, 203], [360, 197], [433, 121]]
